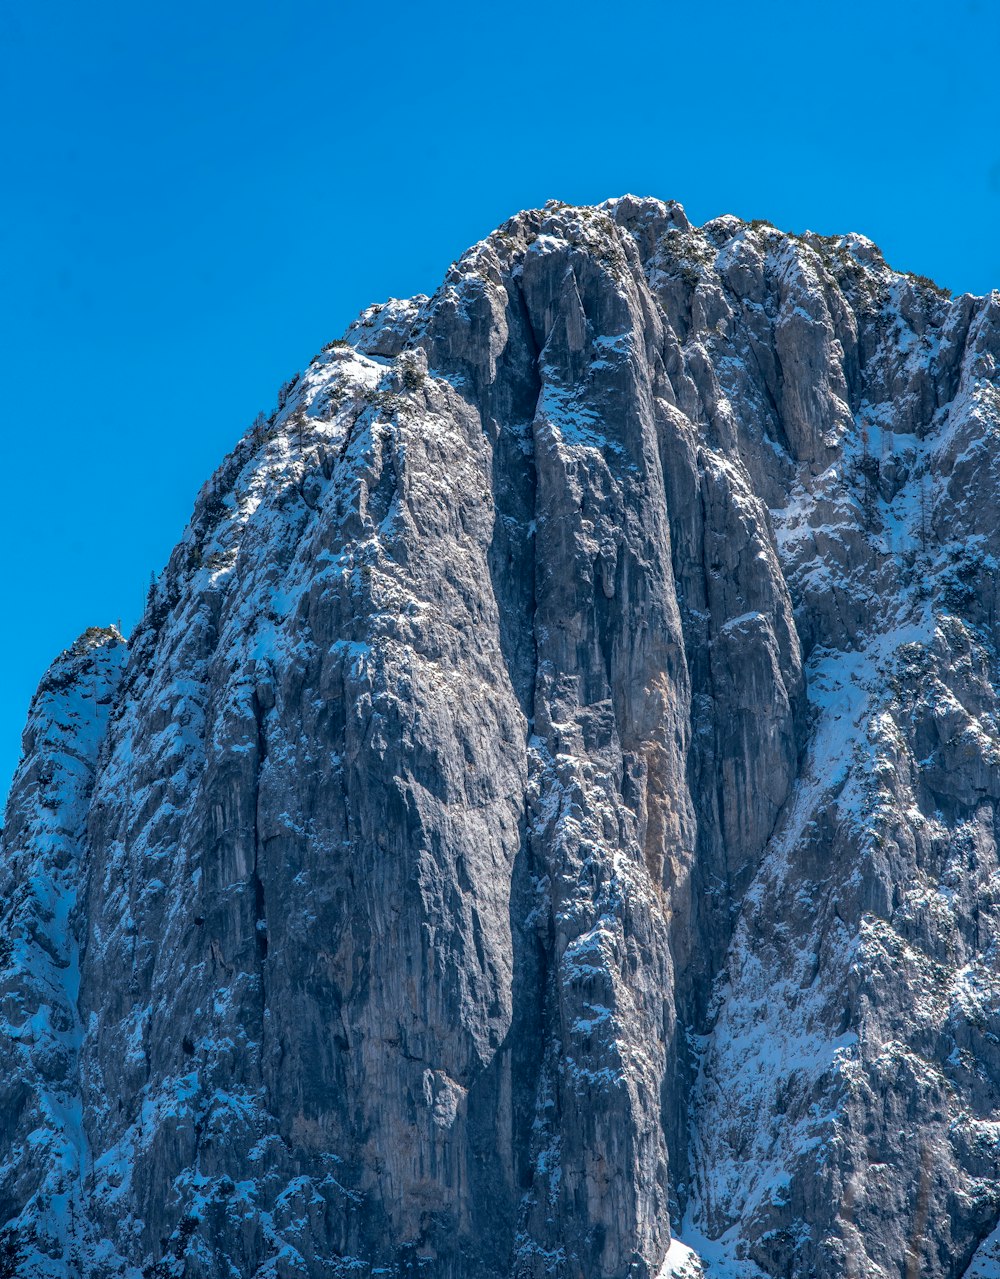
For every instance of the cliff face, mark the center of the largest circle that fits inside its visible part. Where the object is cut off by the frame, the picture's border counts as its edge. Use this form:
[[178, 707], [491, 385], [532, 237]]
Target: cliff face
[[549, 804]]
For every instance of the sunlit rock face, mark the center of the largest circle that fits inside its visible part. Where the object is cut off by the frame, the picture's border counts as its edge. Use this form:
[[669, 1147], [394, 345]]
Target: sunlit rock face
[[545, 821]]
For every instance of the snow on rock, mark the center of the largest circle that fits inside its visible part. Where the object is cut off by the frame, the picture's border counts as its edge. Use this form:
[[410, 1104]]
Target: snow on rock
[[986, 1263], [549, 803], [46, 1156], [681, 1262]]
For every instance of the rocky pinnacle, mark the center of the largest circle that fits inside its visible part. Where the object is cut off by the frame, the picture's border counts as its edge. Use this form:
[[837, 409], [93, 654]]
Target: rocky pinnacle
[[545, 822]]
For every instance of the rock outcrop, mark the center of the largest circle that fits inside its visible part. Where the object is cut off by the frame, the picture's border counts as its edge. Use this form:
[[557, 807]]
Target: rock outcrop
[[545, 822]]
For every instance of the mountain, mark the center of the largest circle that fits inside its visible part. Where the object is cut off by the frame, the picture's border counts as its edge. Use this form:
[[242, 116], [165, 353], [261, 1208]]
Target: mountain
[[545, 823]]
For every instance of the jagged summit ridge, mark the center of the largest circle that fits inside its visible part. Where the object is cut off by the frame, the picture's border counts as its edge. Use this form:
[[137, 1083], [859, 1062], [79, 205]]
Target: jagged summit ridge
[[548, 803]]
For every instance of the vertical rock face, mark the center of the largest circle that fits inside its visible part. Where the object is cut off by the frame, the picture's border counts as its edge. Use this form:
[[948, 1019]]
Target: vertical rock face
[[548, 806], [45, 1154]]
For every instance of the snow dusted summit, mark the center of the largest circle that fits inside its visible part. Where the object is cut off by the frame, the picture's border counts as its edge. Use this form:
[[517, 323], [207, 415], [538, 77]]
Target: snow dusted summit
[[545, 823]]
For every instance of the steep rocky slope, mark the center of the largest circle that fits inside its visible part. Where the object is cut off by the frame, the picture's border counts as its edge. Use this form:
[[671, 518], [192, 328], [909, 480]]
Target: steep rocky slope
[[545, 821]]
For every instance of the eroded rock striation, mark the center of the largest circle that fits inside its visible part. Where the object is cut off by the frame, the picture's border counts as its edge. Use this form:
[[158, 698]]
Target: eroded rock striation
[[545, 823]]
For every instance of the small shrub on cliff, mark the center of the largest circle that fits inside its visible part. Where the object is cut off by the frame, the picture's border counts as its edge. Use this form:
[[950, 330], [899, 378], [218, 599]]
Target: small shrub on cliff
[[11, 1253]]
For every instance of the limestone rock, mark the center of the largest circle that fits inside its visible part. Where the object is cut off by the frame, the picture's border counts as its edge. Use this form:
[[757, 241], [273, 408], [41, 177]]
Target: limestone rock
[[545, 821]]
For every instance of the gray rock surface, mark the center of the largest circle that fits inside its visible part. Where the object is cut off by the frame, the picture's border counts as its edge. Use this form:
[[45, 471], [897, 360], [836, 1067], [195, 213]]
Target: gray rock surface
[[545, 821]]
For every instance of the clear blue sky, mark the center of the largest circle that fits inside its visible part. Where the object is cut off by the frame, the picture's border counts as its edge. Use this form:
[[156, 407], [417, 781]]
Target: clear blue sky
[[199, 195]]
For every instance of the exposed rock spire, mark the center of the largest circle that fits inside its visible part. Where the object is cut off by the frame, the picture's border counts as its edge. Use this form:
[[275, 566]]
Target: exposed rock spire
[[548, 805]]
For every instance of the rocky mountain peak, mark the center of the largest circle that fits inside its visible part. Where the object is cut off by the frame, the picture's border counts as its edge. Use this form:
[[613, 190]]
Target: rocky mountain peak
[[544, 823]]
